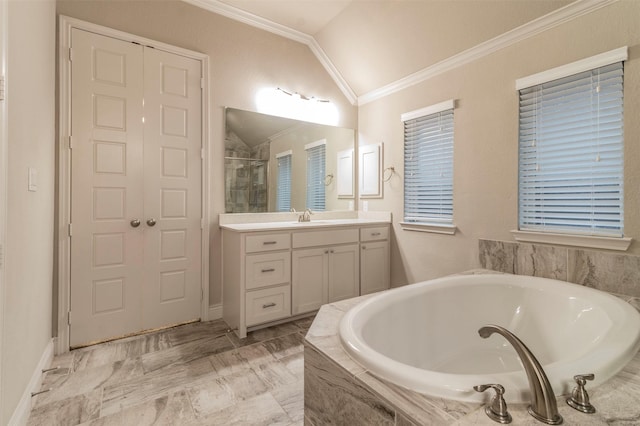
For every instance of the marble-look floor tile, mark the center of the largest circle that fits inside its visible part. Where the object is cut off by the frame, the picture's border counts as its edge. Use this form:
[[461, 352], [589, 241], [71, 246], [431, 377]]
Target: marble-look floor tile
[[261, 410], [289, 344], [191, 332], [263, 334], [185, 353], [85, 381], [295, 363], [155, 385], [291, 399], [172, 409], [110, 352], [229, 362], [219, 393], [71, 411]]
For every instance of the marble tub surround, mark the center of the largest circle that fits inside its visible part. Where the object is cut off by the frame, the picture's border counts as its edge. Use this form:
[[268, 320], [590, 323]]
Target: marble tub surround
[[340, 391], [607, 271], [196, 374]]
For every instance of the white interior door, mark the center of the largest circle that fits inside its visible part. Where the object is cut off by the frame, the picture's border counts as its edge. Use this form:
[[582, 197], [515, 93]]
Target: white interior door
[[172, 176], [106, 187], [135, 188]]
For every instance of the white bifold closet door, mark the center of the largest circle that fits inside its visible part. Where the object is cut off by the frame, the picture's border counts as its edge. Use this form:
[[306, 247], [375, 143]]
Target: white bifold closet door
[[135, 188]]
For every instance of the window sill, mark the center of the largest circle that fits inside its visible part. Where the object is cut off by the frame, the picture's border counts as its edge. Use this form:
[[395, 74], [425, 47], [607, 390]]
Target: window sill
[[608, 243], [429, 227]]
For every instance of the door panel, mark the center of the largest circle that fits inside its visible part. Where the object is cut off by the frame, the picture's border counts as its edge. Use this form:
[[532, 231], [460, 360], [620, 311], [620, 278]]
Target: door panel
[[344, 272], [172, 179], [106, 187], [309, 279], [136, 155]]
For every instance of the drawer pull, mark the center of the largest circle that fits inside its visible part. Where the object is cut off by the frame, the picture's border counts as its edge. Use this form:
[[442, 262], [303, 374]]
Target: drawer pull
[[268, 305], [268, 270], [267, 243], [375, 234]]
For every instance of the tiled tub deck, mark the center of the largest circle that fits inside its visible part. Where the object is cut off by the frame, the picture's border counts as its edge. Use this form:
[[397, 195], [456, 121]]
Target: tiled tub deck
[[340, 391]]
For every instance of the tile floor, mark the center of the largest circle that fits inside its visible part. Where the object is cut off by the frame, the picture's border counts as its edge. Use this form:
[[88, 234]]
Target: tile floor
[[196, 374]]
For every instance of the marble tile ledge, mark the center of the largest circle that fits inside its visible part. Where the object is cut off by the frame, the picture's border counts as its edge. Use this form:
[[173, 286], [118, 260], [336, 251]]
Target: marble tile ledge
[[373, 398]]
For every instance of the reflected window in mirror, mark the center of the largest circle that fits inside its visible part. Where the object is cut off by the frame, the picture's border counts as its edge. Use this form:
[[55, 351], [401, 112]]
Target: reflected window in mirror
[[252, 139], [316, 154], [283, 193]]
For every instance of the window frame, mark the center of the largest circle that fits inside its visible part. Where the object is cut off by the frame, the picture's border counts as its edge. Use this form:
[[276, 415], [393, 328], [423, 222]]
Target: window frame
[[431, 224], [551, 236]]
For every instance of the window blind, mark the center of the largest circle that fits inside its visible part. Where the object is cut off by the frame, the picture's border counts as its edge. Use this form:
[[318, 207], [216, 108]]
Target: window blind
[[283, 192], [571, 154], [428, 168], [315, 176]]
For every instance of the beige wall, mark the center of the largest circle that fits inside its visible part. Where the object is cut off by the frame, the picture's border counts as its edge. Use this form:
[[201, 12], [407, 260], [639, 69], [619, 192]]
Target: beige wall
[[486, 139], [31, 143], [243, 60]]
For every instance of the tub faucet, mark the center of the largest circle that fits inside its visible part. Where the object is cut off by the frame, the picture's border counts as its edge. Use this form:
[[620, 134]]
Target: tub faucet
[[543, 401]]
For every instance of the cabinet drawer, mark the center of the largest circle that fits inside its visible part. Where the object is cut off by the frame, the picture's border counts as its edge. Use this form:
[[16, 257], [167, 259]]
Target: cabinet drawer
[[325, 237], [268, 304], [267, 242], [374, 233], [262, 270]]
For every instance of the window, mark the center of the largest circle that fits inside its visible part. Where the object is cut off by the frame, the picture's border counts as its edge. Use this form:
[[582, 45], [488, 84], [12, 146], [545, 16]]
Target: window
[[428, 166], [571, 154], [283, 192], [315, 174]]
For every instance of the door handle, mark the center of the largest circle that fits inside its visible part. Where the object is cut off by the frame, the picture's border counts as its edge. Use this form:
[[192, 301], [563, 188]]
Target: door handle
[[151, 222], [135, 223]]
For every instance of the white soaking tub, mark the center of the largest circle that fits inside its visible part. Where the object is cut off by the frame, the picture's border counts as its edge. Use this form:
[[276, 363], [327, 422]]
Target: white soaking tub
[[424, 336]]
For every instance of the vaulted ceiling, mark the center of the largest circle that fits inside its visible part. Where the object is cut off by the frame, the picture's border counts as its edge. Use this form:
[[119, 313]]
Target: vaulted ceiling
[[371, 44]]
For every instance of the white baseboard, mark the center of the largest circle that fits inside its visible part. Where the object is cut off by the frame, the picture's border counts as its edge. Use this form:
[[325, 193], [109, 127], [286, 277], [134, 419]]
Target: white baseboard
[[21, 413], [215, 312]]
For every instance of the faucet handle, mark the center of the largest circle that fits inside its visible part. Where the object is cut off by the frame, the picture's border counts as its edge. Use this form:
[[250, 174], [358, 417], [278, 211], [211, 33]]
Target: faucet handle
[[497, 408], [579, 397]]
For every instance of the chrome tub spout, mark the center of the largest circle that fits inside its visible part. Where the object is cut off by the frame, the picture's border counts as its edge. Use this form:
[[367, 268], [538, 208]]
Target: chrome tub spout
[[543, 401]]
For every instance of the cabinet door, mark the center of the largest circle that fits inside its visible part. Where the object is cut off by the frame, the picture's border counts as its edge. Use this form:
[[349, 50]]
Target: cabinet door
[[344, 272], [309, 279], [374, 267]]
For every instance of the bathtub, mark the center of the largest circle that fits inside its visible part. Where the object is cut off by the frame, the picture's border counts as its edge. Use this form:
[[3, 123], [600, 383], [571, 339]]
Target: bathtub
[[424, 336]]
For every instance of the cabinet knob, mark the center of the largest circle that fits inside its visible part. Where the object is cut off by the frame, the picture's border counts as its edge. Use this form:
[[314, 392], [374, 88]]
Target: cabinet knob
[[268, 270], [268, 305], [364, 247]]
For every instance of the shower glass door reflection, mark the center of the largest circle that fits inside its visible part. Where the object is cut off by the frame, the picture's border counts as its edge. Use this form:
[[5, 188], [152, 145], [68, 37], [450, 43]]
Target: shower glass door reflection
[[246, 182]]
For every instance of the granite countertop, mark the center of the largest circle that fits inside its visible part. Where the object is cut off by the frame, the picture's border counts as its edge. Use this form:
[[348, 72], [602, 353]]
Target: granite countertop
[[295, 225], [616, 400]]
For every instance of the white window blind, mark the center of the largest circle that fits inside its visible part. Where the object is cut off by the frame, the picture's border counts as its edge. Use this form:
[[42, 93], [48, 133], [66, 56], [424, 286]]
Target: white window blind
[[315, 176], [428, 168], [283, 192], [571, 154]]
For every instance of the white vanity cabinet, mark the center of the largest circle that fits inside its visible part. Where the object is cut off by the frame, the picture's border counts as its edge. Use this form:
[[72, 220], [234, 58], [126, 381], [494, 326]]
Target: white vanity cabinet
[[272, 274], [374, 259], [256, 278], [324, 274]]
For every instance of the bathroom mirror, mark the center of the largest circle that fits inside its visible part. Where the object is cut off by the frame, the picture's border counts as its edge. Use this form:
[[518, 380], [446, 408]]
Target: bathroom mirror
[[275, 164]]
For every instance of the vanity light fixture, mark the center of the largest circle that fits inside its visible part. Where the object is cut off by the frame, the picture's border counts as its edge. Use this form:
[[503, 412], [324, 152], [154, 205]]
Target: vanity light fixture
[[303, 97], [284, 103]]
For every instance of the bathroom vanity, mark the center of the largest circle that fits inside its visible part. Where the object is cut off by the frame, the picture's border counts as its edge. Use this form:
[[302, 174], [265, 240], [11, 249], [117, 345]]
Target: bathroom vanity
[[277, 271]]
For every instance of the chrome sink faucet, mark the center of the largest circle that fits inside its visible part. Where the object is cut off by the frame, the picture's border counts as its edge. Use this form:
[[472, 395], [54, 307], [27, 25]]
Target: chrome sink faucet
[[306, 216], [543, 401]]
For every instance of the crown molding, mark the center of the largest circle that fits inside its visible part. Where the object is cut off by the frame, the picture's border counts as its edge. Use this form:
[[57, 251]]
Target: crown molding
[[557, 17], [236, 14], [530, 29]]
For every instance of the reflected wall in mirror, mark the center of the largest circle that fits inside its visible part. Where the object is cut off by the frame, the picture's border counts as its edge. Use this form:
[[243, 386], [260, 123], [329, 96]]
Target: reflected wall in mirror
[[275, 164]]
